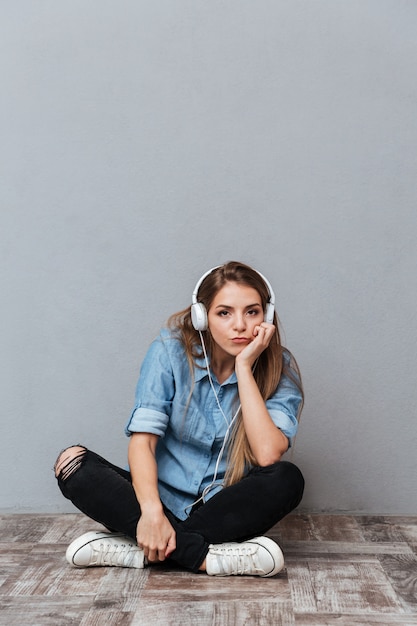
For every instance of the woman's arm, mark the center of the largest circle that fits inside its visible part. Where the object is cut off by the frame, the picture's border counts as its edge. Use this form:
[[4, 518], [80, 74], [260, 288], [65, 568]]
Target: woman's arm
[[266, 441], [154, 531]]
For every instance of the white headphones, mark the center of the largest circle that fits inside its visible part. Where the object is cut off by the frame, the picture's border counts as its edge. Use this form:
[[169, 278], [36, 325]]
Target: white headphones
[[199, 313]]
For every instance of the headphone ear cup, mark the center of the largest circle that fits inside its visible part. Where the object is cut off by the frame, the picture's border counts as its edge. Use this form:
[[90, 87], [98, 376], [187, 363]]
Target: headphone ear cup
[[269, 313], [199, 316]]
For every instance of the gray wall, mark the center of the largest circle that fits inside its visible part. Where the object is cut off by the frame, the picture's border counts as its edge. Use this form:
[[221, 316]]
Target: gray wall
[[144, 142]]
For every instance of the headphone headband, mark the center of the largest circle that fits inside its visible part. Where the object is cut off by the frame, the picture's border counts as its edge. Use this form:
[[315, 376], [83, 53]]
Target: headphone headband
[[199, 313]]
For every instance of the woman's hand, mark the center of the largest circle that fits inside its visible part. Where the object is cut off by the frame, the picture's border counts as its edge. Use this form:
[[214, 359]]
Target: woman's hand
[[155, 535], [262, 337]]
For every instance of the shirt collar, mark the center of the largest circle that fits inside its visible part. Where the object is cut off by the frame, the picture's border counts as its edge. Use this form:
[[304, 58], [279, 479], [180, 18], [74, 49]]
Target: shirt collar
[[200, 372]]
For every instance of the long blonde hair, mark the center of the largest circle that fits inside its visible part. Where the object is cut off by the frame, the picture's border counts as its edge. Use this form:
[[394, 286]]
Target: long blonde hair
[[270, 366]]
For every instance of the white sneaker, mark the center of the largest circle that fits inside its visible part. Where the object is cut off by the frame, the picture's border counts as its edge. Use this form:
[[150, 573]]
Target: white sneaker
[[107, 549], [257, 557]]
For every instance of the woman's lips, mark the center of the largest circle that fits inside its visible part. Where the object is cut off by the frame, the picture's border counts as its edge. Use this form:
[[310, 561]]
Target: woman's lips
[[240, 340]]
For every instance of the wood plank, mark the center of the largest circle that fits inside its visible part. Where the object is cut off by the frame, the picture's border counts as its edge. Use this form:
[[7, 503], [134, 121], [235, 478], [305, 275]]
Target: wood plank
[[322, 527], [42, 611], [408, 530], [187, 587], [205, 613], [293, 528], [323, 586], [342, 528], [381, 529], [123, 584], [65, 528], [12, 554], [351, 619], [47, 580], [401, 570], [342, 548], [98, 616], [23, 528]]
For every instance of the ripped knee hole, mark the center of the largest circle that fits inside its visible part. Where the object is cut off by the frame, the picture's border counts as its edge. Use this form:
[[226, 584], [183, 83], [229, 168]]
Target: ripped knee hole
[[69, 461]]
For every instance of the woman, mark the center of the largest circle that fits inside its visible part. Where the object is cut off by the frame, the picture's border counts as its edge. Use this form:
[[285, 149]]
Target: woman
[[217, 404]]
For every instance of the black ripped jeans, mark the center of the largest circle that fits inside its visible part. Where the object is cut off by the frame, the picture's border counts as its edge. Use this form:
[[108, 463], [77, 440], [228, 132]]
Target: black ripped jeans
[[245, 510]]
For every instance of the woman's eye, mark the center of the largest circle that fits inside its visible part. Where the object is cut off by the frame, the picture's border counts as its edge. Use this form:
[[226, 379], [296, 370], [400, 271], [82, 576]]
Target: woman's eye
[[254, 312], [223, 313]]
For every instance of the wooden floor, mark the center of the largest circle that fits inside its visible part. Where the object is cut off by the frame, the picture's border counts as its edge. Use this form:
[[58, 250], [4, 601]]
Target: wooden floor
[[340, 570]]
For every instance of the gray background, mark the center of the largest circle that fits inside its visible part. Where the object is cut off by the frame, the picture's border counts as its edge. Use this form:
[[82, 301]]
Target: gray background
[[144, 142]]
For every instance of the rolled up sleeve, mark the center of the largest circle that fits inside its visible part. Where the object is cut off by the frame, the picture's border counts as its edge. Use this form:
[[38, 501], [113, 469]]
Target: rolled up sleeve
[[284, 405], [154, 393], [145, 420]]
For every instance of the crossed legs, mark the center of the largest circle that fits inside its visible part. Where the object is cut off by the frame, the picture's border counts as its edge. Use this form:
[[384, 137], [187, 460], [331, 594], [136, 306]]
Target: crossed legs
[[104, 492]]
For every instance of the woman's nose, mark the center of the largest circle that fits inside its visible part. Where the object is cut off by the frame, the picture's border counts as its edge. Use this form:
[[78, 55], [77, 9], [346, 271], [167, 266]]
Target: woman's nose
[[240, 323]]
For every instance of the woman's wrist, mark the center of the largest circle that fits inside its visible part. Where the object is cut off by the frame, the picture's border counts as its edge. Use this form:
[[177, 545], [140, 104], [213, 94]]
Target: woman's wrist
[[242, 367], [151, 504]]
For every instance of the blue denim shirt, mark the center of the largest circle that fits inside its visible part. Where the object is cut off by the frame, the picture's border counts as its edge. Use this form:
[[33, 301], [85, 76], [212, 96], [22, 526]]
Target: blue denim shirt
[[191, 430]]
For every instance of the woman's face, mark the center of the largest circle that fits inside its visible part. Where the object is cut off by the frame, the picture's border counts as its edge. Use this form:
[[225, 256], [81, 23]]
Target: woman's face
[[232, 317]]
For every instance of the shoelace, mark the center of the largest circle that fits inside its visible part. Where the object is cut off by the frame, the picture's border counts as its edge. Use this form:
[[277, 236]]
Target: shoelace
[[238, 560], [114, 554]]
